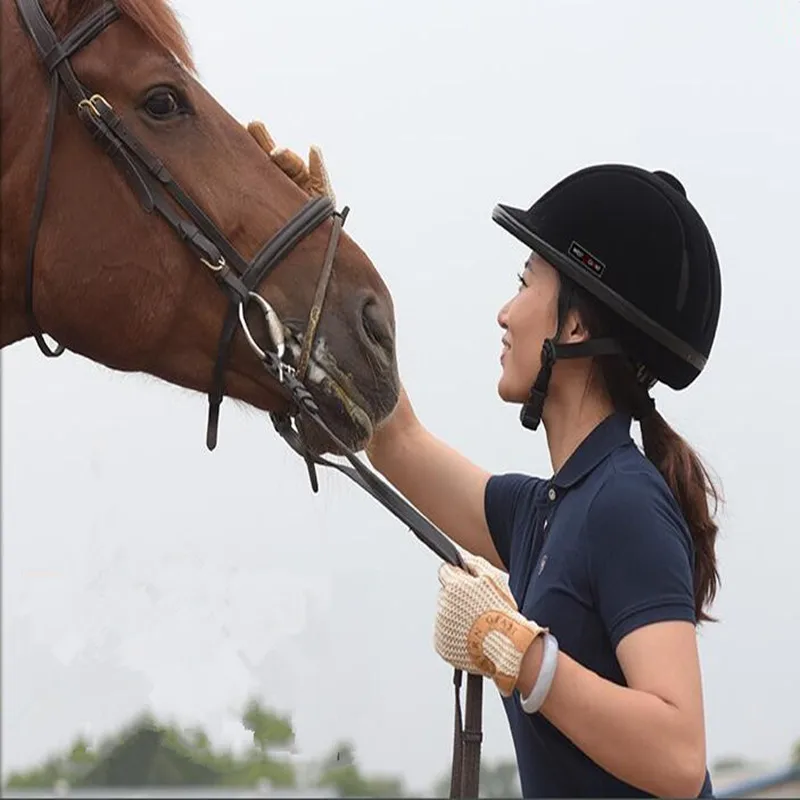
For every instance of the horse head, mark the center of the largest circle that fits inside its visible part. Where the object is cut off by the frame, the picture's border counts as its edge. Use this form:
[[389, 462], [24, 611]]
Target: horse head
[[123, 274]]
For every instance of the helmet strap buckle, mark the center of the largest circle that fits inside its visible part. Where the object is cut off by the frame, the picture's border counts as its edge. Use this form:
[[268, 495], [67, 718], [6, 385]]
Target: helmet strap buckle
[[531, 412]]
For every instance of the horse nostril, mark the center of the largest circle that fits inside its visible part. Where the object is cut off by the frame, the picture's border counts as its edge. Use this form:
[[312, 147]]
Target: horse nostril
[[377, 325]]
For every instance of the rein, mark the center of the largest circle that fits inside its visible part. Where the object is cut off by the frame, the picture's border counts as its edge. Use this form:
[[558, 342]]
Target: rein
[[158, 191]]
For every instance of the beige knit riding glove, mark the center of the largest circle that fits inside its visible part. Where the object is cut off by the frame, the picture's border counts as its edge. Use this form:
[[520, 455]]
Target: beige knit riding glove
[[478, 627], [312, 179]]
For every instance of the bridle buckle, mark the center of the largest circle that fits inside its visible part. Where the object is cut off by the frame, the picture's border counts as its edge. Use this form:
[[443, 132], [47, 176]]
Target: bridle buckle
[[90, 103]]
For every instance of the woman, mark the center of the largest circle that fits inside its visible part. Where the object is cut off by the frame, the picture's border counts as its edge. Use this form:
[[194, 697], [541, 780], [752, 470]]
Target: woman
[[611, 560]]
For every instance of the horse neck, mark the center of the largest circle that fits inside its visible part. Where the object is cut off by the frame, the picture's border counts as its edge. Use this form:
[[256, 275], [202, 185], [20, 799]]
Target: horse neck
[[13, 320], [24, 114]]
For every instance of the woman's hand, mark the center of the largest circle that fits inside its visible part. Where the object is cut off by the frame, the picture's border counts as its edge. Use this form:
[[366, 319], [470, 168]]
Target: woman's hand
[[399, 421], [312, 179], [478, 626]]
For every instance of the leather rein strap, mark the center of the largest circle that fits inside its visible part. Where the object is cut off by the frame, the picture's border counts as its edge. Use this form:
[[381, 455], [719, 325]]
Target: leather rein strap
[[155, 188], [467, 731]]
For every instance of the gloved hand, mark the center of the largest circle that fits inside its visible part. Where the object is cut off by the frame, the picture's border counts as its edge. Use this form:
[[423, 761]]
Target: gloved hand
[[312, 179], [478, 626]]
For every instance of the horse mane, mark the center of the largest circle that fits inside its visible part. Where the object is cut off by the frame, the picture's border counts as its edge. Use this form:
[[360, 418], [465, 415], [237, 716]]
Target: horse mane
[[155, 18]]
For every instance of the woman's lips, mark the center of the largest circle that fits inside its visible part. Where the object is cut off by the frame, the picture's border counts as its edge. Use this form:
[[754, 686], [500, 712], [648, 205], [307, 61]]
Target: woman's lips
[[505, 349]]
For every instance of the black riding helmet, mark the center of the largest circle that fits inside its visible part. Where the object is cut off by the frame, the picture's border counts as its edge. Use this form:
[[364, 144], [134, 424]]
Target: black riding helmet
[[632, 240]]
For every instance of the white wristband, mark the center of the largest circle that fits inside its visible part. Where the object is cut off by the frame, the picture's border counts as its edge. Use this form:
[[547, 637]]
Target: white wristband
[[534, 701]]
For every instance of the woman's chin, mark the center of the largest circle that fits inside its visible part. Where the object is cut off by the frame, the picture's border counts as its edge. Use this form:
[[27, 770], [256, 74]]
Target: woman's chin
[[510, 392]]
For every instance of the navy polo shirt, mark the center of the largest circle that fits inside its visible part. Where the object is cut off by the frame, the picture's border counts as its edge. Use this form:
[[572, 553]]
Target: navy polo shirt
[[594, 553]]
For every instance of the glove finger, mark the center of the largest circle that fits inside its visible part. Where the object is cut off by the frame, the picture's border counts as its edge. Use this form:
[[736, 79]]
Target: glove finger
[[481, 566], [320, 180], [496, 577], [259, 132], [448, 574], [292, 165], [316, 171]]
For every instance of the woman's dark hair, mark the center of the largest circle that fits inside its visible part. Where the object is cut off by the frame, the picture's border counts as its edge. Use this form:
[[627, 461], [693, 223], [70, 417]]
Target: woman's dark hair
[[680, 466]]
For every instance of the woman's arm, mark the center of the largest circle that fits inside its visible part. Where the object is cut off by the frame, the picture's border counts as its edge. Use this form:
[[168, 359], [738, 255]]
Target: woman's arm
[[443, 484], [650, 734]]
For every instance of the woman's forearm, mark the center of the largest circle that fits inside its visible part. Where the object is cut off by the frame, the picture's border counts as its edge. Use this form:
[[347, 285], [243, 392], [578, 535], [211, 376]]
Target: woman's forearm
[[636, 736], [441, 482]]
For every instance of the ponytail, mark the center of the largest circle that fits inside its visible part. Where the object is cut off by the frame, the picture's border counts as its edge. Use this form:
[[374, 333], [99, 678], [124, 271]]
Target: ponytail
[[692, 486], [680, 466]]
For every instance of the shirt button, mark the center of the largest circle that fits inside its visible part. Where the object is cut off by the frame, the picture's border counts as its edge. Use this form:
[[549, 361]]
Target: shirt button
[[552, 494], [545, 525]]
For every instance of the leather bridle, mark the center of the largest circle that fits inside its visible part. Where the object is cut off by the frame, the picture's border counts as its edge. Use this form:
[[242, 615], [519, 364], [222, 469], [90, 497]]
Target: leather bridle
[[239, 278]]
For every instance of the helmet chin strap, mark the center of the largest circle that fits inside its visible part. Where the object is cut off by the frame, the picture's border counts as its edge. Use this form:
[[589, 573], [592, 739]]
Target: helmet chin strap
[[531, 414]]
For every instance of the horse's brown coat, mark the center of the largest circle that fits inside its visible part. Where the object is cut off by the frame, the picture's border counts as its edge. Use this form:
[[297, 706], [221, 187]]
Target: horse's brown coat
[[114, 283]]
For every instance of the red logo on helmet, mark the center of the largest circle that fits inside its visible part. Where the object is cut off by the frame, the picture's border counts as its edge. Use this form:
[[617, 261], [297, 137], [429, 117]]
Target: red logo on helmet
[[591, 263]]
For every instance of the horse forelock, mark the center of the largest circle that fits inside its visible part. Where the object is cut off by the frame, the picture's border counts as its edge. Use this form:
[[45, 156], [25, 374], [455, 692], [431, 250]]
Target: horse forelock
[[155, 18], [158, 20]]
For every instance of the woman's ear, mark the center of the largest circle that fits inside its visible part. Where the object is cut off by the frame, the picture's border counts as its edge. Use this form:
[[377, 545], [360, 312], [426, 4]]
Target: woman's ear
[[574, 328]]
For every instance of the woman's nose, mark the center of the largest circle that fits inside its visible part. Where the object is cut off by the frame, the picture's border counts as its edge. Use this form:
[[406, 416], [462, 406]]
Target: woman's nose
[[502, 315]]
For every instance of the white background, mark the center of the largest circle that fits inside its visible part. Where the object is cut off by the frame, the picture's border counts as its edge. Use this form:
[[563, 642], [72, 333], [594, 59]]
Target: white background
[[141, 570]]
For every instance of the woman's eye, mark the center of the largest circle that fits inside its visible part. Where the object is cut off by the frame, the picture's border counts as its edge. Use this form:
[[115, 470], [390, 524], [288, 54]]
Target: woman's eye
[[163, 104]]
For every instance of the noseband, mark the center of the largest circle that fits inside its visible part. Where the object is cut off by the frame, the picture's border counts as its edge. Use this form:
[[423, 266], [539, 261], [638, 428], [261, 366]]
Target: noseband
[[239, 278]]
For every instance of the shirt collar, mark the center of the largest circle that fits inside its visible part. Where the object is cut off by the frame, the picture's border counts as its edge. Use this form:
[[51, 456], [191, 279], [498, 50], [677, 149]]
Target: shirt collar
[[613, 432]]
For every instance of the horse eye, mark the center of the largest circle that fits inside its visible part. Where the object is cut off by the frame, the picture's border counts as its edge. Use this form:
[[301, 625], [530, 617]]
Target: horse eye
[[163, 103]]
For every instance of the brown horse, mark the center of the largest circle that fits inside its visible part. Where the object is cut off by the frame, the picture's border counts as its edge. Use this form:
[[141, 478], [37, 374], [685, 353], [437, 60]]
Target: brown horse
[[116, 284]]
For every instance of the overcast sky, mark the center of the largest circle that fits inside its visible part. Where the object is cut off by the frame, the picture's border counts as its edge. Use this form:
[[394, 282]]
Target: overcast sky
[[141, 570]]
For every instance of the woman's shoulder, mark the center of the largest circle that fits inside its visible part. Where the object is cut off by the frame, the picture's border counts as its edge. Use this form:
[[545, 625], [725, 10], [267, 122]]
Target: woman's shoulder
[[631, 494], [510, 496], [517, 482], [629, 470], [515, 490]]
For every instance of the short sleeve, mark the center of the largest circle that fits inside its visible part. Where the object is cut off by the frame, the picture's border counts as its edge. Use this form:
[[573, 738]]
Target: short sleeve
[[640, 556], [501, 503]]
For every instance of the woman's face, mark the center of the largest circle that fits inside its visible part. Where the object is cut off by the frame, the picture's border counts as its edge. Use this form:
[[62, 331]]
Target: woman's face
[[528, 318]]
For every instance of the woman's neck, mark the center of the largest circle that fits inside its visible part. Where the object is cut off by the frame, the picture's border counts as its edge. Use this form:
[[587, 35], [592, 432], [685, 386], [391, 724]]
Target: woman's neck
[[568, 421]]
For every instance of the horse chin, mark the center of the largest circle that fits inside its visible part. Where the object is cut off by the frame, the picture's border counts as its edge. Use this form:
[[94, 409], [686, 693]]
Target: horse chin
[[341, 412]]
